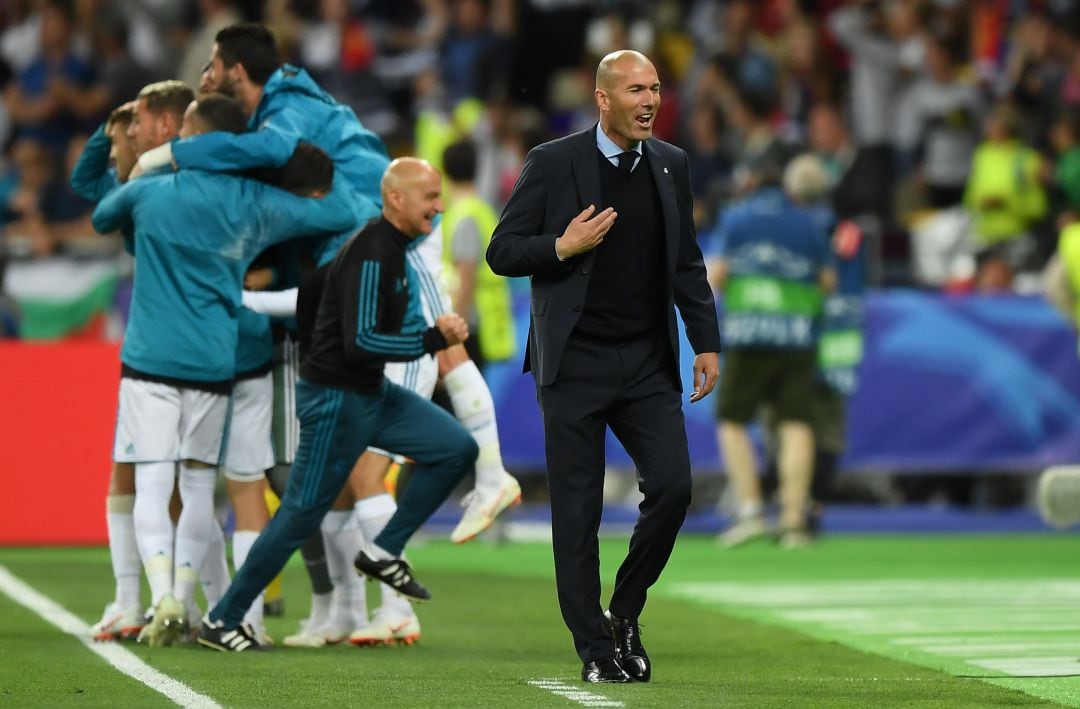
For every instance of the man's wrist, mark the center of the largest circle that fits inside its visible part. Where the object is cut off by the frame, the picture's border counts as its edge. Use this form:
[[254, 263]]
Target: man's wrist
[[558, 252]]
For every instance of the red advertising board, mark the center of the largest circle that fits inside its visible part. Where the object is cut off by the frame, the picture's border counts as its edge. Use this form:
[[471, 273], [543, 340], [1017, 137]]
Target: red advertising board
[[57, 414]]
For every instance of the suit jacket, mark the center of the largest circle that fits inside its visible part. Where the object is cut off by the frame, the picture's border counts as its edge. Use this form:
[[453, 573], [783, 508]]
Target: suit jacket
[[560, 178]]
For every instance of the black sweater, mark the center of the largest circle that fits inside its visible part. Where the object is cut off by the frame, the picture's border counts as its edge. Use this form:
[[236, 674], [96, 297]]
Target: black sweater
[[624, 300]]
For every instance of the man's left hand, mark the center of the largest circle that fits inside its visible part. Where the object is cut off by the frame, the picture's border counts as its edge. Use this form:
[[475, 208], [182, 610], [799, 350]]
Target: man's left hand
[[706, 371]]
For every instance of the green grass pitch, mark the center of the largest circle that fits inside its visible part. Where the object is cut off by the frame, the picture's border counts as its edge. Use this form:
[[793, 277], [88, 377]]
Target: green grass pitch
[[889, 621]]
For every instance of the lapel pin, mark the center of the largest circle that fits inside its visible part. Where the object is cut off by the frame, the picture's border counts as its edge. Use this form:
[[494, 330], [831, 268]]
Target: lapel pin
[[665, 170]]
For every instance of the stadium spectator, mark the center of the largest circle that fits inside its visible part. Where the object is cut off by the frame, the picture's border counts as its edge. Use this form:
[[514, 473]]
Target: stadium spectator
[[946, 111], [214, 16], [754, 137], [117, 77], [20, 40], [472, 56], [741, 54], [406, 35], [872, 33], [1065, 140], [38, 200], [46, 99], [1006, 198], [710, 168], [804, 79], [1035, 73], [854, 193], [9, 309], [338, 47]]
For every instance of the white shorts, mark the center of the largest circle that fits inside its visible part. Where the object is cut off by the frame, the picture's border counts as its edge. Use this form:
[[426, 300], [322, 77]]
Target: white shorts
[[285, 427], [157, 422], [420, 375], [249, 451]]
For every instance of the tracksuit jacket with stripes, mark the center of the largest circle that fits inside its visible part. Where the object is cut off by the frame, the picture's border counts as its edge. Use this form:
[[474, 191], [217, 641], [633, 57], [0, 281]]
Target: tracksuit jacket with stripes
[[366, 300]]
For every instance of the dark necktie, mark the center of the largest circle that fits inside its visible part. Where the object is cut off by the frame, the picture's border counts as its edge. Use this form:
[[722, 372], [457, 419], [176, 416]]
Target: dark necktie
[[626, 160]]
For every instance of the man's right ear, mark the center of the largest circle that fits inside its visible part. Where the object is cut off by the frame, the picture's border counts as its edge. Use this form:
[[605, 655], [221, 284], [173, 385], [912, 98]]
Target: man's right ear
[[239, 73]]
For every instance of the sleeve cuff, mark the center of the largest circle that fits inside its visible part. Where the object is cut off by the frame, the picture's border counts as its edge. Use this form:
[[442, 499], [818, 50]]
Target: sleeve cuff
[[156, 157], [434, 341]]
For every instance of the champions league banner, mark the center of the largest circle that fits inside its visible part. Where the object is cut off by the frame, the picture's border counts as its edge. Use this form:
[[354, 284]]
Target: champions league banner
[[964, 384], [948, 384]]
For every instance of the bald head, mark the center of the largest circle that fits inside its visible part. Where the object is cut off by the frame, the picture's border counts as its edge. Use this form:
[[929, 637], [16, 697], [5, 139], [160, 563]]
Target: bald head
[[616, 63], [412, 195], [402, 172], [628, 97]]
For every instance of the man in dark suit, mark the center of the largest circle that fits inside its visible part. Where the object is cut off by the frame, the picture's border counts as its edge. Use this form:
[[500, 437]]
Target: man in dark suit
[[602, 222]]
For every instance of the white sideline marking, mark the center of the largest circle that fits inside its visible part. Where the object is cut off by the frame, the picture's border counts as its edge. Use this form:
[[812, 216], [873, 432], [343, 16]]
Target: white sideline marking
[[574, 694], [120, 658]]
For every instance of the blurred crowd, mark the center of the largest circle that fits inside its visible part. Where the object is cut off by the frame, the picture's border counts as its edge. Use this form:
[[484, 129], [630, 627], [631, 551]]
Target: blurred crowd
[[950, 129]]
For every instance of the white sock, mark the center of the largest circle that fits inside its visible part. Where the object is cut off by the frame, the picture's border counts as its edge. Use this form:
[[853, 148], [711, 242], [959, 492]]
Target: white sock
[[320, 608], [475, 409], [343, 539], [153, 528], [123, 549], [214, 577], [372, 514], [242, 541], [194, 530]]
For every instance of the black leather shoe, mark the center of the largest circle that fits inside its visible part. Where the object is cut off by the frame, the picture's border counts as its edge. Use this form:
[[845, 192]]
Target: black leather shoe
[[628, 649], [606, 669]]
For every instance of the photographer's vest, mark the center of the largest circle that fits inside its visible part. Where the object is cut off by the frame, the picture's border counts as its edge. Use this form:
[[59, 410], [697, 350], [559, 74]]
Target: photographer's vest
[[494, 310]]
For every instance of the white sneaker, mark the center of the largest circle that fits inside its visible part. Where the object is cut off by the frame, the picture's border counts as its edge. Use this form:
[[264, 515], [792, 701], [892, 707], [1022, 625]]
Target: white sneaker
[[1058, 496], [169, 624], [312, 630], [338, 630], [346, 615], [387, 628], [483, 506], [118, 623], [744, 530], [310, 635]]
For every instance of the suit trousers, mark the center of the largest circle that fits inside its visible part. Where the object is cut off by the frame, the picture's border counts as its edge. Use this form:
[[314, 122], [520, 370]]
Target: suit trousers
[[631, 388]]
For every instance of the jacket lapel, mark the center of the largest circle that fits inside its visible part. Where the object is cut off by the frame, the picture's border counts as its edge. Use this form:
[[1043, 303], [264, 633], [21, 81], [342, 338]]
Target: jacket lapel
[[587, 176], [665, 186], [586, 170]]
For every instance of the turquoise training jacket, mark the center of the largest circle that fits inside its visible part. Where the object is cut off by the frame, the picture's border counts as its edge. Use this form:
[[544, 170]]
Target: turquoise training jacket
[[294, 108], [92, 177], [195, 235]]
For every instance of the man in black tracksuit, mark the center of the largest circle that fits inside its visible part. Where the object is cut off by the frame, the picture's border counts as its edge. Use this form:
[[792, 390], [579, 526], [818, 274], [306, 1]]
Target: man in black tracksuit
[[345, 404]]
